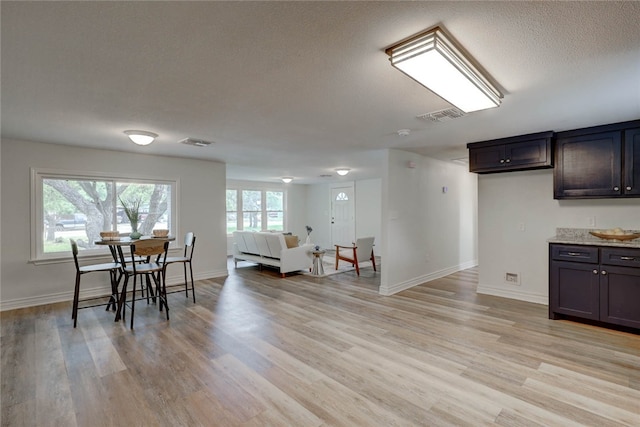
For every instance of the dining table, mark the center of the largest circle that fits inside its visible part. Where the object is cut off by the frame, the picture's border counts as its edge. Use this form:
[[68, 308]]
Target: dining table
[[115, 245]]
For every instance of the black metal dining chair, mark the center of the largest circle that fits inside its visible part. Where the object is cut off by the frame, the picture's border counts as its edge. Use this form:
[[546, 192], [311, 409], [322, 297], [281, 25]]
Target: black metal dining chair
[[153, 269], [112, 267], [189, 245]]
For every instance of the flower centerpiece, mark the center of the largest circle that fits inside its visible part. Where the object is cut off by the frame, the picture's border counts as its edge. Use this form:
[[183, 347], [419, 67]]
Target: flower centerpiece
[[309, 230], [132, 211]]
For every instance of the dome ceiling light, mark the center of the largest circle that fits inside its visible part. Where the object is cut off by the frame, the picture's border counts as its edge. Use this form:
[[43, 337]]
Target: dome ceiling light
[[141, 137]]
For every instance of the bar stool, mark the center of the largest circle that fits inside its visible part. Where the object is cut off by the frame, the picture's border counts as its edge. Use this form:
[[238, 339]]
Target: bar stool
[[112, 267]]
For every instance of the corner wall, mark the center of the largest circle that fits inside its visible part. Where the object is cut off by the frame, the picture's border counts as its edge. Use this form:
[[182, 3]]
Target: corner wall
[[201, 209], [429, 233]]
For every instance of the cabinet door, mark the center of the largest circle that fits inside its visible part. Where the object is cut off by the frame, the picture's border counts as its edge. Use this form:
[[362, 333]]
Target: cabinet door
[[632, 161], [532, 154], [485, 159], [620, 296], [574, 289], [588, 166]]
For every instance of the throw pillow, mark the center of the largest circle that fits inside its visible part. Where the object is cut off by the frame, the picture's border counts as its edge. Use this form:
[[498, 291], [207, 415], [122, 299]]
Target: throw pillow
[[291, 241]]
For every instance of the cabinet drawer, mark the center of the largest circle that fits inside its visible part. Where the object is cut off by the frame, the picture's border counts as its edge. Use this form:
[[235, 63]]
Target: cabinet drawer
[[620, 256], [574, 253]]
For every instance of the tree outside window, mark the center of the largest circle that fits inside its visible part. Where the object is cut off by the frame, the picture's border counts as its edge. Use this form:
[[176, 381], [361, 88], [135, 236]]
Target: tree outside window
[[80, 208]]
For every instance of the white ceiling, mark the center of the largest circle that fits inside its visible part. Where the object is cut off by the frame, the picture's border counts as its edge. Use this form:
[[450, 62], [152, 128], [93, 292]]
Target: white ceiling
[[300, 88]]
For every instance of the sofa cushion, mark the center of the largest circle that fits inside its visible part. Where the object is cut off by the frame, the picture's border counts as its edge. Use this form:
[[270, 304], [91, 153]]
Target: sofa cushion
[[291, 241], [261, 242], [276, 243], [250, 242]]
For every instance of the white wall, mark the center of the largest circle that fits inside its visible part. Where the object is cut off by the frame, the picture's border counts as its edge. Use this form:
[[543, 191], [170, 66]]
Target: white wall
[[201, 199], [428, 233], [369, 211], [510, 201]]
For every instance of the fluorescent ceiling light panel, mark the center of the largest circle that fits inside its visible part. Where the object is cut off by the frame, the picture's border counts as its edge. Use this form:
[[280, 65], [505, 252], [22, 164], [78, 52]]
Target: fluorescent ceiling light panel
[[432, 60]]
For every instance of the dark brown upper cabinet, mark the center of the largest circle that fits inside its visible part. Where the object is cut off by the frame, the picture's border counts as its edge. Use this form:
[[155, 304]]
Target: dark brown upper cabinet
[[598, 162], [533, 151]]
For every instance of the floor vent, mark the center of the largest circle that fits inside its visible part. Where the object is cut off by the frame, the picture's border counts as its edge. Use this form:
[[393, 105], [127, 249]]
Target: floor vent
[[196, 142], [442, 115]]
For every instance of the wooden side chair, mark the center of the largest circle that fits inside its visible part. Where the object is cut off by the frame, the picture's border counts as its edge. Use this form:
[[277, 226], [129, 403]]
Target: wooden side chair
[[155, 252], [189, 245], [112, 267], [361, 250]]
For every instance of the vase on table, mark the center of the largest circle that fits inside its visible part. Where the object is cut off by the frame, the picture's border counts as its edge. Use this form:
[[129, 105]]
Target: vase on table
[[134, 235]]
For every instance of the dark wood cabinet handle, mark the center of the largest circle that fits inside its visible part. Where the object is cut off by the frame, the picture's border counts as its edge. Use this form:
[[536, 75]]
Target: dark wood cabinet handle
[[616, 188], [595, 271], [501, 160], [574, 253], [628, 188], [604, 273], [627, 258], [508, 160]]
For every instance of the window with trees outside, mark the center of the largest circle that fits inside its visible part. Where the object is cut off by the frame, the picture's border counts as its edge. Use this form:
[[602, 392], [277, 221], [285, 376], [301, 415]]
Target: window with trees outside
[[255, 210], [80, 207]]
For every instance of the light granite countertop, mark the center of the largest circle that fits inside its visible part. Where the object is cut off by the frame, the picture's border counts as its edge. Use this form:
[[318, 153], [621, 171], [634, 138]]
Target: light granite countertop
[[581, 236]]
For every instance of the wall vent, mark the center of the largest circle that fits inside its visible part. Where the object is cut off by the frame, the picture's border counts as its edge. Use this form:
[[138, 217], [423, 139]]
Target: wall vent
[[442, 115], [196, 142]]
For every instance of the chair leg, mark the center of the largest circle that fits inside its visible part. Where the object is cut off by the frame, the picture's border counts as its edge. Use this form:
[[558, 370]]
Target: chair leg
[[373, 260], [162, 291], [355, 262], [186, 284], [337, 256], [123, 299], [114, 291], [193, 288], [133, 300], [76, 297]]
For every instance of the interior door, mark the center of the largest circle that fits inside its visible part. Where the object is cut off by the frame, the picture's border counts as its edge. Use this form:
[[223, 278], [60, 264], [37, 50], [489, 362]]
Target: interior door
[[342, 216]]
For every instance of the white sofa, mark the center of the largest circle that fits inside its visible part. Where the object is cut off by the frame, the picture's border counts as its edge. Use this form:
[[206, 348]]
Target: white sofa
[[266, 248]]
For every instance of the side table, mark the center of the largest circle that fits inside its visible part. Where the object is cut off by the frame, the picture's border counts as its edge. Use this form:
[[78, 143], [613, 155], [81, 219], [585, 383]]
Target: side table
[[318, 269]]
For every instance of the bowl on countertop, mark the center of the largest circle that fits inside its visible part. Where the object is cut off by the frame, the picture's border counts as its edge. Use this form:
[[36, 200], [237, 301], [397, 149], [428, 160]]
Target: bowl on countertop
[[623, 236]]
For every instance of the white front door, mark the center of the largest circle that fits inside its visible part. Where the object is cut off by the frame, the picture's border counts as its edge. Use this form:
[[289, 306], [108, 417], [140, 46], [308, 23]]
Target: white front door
[[342, 216]]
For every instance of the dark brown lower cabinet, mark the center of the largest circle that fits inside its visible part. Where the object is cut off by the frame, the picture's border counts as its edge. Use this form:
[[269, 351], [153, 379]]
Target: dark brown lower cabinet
[[595, 283]]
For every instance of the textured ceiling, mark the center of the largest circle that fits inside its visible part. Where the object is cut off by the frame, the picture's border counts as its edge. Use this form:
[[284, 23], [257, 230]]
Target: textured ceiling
[[300, 88]]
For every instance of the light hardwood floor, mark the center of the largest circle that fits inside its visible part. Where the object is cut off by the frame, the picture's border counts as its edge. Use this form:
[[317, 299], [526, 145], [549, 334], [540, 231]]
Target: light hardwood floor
[[258, 350]]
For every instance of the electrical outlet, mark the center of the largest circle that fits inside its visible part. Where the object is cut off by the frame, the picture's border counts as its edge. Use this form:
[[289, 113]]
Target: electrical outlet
[[522, 226], [512, 278], [591, 221]]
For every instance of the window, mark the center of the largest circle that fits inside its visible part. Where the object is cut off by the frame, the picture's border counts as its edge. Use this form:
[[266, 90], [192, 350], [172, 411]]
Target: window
[[79, 207], [255, 210]]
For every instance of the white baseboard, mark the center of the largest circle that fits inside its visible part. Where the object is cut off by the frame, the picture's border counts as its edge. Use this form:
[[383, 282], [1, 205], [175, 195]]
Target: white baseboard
[[518, 295], [394, 289], [97, 291]]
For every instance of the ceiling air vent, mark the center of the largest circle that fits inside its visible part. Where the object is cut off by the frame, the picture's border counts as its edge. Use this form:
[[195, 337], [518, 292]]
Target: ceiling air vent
[[196, 142], [442, 115]]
